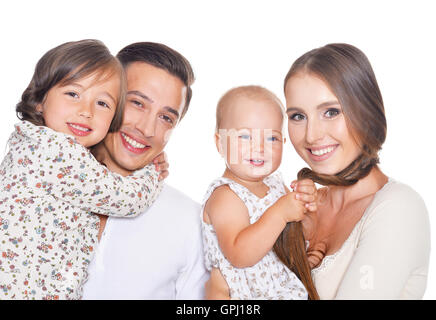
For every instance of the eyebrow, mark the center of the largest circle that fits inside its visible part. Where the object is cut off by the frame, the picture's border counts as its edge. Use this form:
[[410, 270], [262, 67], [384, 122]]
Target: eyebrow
[[244, 128], [322, 105], [75, 84], [145, 97]]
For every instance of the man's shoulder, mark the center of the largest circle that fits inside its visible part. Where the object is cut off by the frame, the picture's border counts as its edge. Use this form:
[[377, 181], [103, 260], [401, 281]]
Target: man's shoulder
[[174, 199]]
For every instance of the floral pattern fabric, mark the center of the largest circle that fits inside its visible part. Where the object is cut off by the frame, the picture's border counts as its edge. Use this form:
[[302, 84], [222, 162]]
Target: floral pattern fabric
[[269, 279], [50, 188]]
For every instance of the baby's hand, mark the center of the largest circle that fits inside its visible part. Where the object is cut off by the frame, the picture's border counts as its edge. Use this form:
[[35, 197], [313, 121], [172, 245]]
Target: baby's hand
[[290, 208], [306, 191]]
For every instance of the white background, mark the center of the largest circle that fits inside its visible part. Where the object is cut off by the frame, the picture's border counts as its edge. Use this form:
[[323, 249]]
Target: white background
[[232, 43]]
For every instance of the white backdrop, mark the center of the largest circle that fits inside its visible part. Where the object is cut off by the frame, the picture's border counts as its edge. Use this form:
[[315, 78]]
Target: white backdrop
[[232, 43]]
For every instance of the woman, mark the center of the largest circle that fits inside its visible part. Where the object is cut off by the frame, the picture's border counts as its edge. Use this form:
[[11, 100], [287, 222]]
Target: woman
[[370, 237]]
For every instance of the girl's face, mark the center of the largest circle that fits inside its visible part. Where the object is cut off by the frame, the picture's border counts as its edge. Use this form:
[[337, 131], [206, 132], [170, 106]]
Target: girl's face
[[317, 127], [250, 138], [83, 108]]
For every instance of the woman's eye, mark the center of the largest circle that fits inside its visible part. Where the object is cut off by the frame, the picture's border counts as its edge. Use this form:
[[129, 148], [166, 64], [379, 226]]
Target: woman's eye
[[330, 113], [103, 104], [296, 117]]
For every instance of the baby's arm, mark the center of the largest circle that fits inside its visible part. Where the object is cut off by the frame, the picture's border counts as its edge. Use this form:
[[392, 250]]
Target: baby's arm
[[242, 243]]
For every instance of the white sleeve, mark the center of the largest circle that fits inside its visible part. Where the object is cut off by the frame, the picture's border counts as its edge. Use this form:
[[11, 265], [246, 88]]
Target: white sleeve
[[392, 256], [190, 283]]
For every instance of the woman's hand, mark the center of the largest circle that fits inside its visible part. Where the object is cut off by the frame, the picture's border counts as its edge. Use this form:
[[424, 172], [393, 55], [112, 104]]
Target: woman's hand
[[216, 286], [162, 165]]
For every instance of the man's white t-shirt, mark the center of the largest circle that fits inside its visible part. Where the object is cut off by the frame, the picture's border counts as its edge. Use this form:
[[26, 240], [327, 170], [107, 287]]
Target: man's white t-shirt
[[157, 255]]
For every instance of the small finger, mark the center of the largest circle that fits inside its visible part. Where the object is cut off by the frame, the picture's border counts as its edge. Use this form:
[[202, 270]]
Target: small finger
[[163, 175], [312, 207], [305, 197]]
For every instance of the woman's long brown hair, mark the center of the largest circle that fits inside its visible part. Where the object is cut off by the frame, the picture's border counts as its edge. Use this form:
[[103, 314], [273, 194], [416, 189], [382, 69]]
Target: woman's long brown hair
[[347, 72]]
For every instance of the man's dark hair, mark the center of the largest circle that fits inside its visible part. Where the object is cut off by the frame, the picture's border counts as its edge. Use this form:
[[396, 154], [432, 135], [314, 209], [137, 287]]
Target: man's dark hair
[[163, 57]]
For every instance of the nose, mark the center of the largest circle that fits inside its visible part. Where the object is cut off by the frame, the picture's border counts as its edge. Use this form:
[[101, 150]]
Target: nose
[[147, 124], [314, 131], [86, 110], [258, 141]]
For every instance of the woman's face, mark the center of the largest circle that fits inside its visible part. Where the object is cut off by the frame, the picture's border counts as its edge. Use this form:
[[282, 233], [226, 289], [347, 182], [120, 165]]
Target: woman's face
[[317, 126]]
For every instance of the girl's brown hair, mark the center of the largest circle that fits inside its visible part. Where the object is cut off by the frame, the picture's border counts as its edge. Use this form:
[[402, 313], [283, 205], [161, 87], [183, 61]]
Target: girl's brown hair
[[348, 73], [64, 64]]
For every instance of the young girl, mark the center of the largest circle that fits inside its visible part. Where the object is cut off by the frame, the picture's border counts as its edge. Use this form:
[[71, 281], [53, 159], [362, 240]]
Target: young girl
[[238, 230], [51, 184]]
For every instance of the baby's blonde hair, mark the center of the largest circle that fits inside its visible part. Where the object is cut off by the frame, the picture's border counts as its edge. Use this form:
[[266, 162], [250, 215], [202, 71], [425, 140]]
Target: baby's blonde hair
[[252, 92]]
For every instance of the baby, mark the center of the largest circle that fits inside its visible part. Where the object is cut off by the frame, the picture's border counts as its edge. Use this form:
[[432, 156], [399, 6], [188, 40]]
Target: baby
[[239, 227]]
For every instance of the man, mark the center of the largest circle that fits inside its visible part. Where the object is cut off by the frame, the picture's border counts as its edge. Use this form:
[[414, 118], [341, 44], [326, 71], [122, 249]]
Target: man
[[159, 254]]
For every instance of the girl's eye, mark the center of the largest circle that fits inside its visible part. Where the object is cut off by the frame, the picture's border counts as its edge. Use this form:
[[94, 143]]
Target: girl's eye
[[296, 117], [244, 136], [103, 104], [331, 113], [72, 94]]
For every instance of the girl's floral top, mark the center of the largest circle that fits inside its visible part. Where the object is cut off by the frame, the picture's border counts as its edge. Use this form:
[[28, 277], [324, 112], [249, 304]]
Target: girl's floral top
[[269, 279], [50, 188]]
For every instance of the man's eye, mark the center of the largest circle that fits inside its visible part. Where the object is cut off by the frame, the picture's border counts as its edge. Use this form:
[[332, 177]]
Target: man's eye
[[167, 119], [333, 112], [136, 103], [296, 117]]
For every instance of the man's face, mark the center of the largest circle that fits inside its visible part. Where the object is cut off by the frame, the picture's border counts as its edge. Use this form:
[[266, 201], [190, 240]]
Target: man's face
[[154, 103]]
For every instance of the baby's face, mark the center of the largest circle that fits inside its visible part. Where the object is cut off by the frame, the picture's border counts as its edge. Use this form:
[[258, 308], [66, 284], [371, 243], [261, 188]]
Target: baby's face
[[251, 138]]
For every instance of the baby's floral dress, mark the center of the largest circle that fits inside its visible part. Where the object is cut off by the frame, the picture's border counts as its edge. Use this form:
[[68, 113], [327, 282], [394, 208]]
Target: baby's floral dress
[[50, 188], [269, 279]]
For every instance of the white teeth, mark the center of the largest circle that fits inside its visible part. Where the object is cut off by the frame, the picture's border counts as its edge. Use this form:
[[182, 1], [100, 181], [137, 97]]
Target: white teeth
[[257, 160], [79, 127], [132, 142], [322, 151]]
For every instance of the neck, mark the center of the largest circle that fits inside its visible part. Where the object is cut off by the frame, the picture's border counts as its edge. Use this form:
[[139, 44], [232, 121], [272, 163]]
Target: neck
[[102, 155], [249, 184], [365, 187]]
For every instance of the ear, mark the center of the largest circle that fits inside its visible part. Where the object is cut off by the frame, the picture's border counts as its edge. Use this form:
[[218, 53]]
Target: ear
[[39, 108], [218, 143]]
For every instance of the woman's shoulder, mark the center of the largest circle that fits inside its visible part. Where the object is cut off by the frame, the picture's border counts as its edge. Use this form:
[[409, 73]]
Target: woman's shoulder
[[399, 199]]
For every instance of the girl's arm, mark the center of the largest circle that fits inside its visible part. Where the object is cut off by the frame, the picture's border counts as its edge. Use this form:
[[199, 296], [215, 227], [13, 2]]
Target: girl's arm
[[66, 170], [242, 243]]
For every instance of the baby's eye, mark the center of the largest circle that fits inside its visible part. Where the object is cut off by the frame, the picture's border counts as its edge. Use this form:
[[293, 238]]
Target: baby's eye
[[272, 139], [296, 117], [332, 112], [103, 104], [244, 136]]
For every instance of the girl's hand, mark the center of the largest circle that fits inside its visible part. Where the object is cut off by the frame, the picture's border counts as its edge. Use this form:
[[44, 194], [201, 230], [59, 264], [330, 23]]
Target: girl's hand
[[306, 191], [162, 165]]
